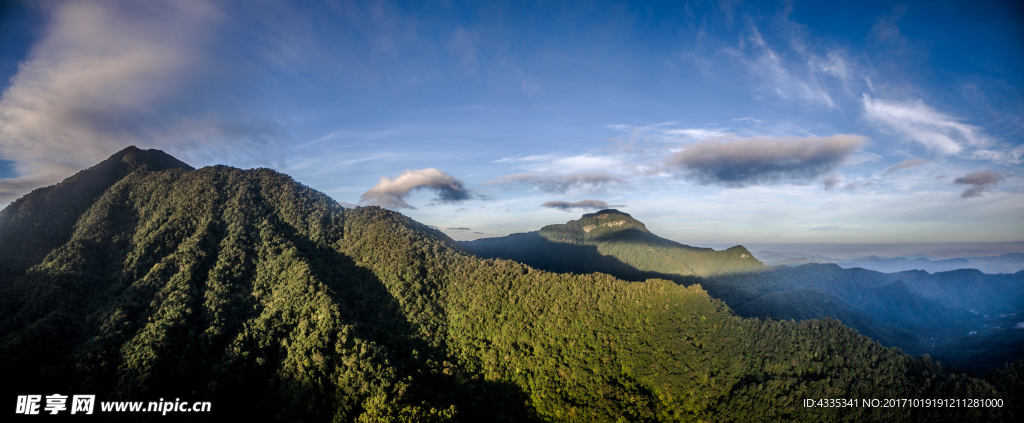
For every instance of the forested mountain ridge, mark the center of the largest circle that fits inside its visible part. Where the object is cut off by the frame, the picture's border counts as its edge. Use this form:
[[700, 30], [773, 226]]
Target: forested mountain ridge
[[916, 311], [247, 289]]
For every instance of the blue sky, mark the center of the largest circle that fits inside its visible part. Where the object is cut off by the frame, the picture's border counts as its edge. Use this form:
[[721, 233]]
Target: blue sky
[[713, 122]]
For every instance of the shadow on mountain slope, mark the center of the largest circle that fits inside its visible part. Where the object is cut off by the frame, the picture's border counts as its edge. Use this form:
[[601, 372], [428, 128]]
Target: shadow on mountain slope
[[762, 294], [559, 257]]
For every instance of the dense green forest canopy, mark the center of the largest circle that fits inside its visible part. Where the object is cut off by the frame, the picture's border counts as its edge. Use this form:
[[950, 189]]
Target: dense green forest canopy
[[247, 289], [953, 316]]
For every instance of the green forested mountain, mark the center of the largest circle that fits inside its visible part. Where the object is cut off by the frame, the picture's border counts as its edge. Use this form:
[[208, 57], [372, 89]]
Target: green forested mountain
[[916, 311], [247, 289]]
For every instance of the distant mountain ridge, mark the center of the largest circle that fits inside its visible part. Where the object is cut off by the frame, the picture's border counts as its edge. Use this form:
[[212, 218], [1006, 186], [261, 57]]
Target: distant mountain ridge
[[1004, 263]]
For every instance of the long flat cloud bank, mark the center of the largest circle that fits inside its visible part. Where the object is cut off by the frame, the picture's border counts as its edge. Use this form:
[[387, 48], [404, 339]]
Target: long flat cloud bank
[[584, 204], [761, 160], [392, 192]]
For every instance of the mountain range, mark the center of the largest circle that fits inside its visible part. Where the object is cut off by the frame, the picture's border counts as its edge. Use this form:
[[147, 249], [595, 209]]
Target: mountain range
[[1003, 263], [143, 278], [914, 310]]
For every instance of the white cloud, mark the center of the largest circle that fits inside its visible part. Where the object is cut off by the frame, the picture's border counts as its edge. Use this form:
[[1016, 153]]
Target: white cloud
[[777, 79], [1009, 156], [664, 132], [392, 192], [937, 132], [765, 64], [531, 158], [562, 164], [862, 157], [835, 65], [585, 162]]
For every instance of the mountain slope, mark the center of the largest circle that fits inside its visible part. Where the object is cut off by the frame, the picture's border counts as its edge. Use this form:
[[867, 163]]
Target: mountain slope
[[37, 223], [244, 288]]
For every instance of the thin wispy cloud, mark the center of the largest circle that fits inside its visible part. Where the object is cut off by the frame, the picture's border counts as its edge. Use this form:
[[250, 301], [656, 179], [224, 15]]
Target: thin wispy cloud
[[584, 204], [908, 163], [832, 182], [827, 228], [855, 185], [937, 132], [862, 157], [833, 64], [768, 66], [979, 182], [1008, 155], [530, 158], [553, 163], [557, 183], [665, 132], [392, 192], [763, 161]]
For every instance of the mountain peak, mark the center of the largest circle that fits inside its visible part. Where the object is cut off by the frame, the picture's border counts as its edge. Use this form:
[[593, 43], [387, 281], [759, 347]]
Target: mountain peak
[[607, 222], [38, 222], [152, 159]]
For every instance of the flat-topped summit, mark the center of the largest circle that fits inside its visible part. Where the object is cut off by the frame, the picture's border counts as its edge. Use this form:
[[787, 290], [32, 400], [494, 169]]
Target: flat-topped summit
[[613, 242]]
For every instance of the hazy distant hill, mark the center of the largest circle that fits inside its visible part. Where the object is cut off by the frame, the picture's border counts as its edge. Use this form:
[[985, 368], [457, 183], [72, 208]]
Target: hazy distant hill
[[267, 298], [1005, 263], [775, 258]]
